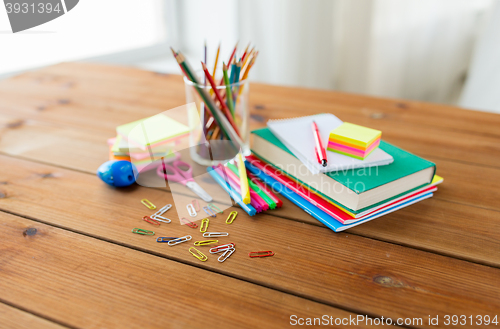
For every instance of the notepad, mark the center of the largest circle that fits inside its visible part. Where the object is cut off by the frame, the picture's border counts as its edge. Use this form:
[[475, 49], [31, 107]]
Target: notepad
[[153, 131], [297, 136]]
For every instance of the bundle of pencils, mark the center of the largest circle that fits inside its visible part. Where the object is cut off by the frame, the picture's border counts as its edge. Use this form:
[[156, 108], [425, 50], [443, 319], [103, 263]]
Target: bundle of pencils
[[218, 118]]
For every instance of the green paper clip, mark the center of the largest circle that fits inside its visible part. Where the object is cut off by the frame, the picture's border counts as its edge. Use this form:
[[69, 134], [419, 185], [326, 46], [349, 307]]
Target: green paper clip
[[215, 208], [141, 231]]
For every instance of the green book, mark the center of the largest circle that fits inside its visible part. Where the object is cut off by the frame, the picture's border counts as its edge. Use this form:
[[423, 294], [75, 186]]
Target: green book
[[354, 189]]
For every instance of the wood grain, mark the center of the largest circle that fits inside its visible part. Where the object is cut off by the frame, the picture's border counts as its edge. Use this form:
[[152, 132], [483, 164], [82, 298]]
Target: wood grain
[[334, 269], [93, 99], [13, 318], [88, 283]]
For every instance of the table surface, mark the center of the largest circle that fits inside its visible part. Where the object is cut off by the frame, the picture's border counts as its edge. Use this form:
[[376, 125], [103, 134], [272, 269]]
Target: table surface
[[82, 267]]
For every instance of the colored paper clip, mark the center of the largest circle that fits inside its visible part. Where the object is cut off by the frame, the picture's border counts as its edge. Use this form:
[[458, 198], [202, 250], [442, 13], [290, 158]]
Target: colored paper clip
[[179, 240], [141, 231], [158, 215], [266, 253], [192, 212], [150, 220], [204, 224], [165, 239], [226, 255], [196, 205], [204, 243], [215, 208], [231, 217], [198, 254], [214, 234], [209, 211], [221, 248], [148, 204], [188, 222]]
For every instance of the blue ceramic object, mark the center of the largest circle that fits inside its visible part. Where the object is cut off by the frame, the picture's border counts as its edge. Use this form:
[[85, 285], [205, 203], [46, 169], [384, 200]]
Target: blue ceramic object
[[117, 173]]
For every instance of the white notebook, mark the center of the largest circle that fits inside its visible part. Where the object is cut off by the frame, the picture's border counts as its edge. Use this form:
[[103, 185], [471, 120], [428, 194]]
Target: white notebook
[[298, 136]]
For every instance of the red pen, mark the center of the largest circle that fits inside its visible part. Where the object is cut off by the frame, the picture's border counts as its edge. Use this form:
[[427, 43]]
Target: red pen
[[319, 149]]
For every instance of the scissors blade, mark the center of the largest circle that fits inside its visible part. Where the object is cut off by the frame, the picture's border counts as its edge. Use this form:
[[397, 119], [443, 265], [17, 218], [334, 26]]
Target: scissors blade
[[199, 191]]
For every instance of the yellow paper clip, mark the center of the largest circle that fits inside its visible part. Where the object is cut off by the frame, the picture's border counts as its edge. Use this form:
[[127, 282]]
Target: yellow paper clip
[[204, 225], [231, 217], [198, 254], [148, 204], [204, 243], [214, 208]]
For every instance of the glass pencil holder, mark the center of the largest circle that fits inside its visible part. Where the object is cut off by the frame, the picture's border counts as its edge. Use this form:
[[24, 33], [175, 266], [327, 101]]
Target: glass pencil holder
[[209, 146]]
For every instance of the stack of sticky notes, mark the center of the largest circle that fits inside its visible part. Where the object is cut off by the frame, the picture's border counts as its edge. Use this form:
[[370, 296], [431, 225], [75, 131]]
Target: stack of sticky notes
[[353, 140], [146, 140]]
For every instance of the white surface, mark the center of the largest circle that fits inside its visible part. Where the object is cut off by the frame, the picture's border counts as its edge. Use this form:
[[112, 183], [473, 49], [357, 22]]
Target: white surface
[[298, 136], [482, 89]]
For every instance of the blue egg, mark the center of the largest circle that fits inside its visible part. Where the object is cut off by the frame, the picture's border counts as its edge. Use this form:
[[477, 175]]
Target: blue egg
[[117, 173]]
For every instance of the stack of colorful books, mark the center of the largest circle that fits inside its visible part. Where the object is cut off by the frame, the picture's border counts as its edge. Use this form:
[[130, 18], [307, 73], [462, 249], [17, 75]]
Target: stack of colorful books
[[348, 197]]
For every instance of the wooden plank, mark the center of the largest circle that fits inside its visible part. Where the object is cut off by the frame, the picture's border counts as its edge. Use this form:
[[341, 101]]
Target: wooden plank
[[13, 318], [363, 275], [89, 283], [99, 99]]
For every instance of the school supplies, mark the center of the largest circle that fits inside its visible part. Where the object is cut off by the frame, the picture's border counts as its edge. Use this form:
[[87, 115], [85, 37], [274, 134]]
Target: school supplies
[[209, 211], [214, 234], [150, 220], [198, 254], [141, 231], [148, 204], [226, 254], [353, 189], [215, 208], [158, 216], [319, 149], [188, 222], [179, 240], [182, 172], [152, 131], [259, 254], [221, 248], [353, 140], [254, 187], [295, 135], [164, 239], [204, 225], [204, 243], [196, 205], [245, 193], [231, 217], [234, 195]]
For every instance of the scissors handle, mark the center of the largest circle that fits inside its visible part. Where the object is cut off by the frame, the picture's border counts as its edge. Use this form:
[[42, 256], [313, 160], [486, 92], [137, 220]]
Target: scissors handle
[[171, 173], [184, 168]]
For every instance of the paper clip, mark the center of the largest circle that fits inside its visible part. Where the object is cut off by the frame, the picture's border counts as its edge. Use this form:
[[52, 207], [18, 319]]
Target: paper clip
[[226, 254], [188, 222], [266, 253], [150, 220], [141, 231], [198, 254], [214, 234], [204, 224], [215, 208], [148, 204], [231, 217], [165, 239], [192, 212], [221, 248], [196, 205], [209, 211], [204, 243], [179, 240], [158, 215]]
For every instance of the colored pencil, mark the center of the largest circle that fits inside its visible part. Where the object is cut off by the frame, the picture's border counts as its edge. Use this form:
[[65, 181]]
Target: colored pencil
[[229, 61], [216, 61], [221, 101], [229, 99]]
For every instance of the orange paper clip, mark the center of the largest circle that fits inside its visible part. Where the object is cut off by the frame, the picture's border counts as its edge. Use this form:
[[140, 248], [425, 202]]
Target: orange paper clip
[[150, 220], [266, 253]]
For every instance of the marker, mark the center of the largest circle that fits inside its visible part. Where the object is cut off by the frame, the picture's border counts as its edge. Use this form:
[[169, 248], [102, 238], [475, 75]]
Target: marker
[[319, 149]]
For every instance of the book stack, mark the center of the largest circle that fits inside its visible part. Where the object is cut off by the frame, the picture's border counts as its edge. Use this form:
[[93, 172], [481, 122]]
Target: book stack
[[343, 198], [144, 141]]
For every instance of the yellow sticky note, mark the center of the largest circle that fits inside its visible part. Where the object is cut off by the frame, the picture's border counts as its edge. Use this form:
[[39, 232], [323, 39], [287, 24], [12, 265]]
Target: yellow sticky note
[[354, 134]]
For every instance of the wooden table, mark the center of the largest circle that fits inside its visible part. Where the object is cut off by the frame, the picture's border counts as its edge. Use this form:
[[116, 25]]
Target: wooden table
[[68, 258]]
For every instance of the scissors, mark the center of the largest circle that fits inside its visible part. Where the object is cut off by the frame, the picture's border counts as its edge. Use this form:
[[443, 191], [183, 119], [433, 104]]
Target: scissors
[[182, 172]]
